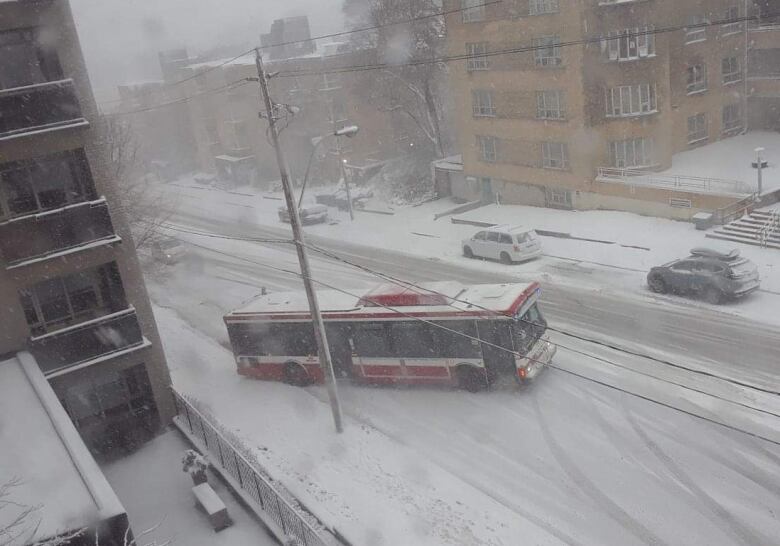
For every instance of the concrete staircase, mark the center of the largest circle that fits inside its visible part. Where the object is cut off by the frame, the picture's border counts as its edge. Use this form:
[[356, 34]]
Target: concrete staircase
[[759, 228]]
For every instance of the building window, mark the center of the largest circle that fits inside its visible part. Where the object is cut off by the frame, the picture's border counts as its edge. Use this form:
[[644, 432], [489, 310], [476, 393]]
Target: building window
[[558, 198], [330, 81], [634, 152], [730, 70], [25, 60], [488, 147], [697, 128], [629, 44], [696, 31], [680, 203], [732, 14], [476, 56], [555, 155], [631, 100], [547, 51], [697, 78], [540, 7], [549, 105], [46, 183], [60, 302], [731, 118], [482, 103], [473, 10]]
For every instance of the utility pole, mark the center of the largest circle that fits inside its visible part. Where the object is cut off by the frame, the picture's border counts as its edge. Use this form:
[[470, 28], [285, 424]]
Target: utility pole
[[344, 176], [303, 260]]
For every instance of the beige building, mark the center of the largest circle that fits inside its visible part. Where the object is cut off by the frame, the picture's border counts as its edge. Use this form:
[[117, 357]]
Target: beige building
[[71, 291], [593, 96]]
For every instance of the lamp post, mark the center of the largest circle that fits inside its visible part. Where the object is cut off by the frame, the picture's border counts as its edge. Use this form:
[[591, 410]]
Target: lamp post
[[759, 165], [349, 131]]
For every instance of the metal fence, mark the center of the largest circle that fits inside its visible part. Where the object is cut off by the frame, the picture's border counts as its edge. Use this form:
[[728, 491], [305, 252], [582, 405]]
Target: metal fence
[[693, 184], [291, 519]]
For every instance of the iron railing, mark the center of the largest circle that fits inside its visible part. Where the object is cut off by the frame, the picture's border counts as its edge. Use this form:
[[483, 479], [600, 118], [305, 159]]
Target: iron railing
[[293, 520], [735, 210], [691, 184], [770, 229]]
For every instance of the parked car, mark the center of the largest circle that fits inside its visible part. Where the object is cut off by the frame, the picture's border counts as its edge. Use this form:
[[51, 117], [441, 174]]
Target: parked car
[[168, 250], [708, 273], [310, 214], [508, 244]]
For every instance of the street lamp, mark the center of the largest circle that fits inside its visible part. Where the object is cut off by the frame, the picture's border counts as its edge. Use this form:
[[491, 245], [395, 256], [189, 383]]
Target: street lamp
[[349, 131], [759, 164]]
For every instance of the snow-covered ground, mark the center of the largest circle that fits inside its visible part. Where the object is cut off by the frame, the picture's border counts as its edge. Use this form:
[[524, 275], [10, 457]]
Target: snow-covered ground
[[157, 495], [567, 461], [633, 244], [731, 159]]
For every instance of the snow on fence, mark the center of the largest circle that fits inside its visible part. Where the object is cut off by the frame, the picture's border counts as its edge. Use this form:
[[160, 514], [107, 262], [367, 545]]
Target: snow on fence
[[296, 525], [690, 184]]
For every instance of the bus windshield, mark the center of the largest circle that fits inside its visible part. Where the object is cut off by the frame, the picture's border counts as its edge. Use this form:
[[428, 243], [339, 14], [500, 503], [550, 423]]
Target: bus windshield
[[528, 328]]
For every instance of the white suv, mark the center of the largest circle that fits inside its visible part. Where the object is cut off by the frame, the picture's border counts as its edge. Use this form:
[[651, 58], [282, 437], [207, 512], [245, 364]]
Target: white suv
[[508, 244]]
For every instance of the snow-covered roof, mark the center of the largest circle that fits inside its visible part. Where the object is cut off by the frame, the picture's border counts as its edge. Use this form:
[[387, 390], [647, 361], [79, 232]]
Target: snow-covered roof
[[321, 49], [451, 163], [43, 450], [391, 300]]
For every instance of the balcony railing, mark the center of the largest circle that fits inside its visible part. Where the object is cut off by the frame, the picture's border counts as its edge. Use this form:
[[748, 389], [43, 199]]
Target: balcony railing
[[34, 108], [91, 340], [690, 184], [53, 232]]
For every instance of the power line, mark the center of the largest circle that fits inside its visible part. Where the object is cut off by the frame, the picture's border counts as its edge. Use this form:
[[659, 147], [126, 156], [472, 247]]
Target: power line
[[227, 87], [523, 49], [179, 229], [436, 325], [419, 289]]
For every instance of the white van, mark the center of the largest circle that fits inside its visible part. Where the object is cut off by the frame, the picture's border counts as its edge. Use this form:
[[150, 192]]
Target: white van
[[508, 244]]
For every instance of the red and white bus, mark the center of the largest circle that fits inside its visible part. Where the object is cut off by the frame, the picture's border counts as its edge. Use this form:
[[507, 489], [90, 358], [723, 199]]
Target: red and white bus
[[378, 337]]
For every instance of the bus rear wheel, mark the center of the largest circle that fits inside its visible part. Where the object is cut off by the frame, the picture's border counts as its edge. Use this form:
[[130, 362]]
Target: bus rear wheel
[[295, 374], [471, 379]]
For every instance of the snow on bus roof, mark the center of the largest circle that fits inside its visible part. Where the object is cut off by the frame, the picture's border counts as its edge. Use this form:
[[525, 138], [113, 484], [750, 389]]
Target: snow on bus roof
[[440, 299]]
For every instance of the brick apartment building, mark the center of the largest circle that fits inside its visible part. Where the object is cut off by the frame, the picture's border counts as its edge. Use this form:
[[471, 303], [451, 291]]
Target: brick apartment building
[[601, 91], [224, 132], [71, 291]]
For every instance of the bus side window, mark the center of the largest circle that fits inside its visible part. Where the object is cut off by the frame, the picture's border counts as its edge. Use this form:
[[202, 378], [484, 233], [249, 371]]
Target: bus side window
[[452, 339], [371, 339], [411, 339], [298, 339]]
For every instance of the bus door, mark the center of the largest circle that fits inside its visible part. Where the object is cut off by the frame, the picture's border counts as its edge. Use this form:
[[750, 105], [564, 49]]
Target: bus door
[[339, 335], [497, 348]]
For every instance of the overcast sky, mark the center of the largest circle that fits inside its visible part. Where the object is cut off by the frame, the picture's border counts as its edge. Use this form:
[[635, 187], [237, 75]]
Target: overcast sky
[[121, 38]]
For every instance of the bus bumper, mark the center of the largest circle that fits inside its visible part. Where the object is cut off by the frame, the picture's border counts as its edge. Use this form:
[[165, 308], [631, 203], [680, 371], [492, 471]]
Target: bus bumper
[[540, 356]]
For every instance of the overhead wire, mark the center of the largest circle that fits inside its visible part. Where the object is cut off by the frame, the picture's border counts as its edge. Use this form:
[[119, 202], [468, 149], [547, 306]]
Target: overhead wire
[[463, 334], [221, 89]]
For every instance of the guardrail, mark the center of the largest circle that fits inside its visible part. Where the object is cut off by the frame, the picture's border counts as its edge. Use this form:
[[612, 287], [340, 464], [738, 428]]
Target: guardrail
[[298, 525], [735, 210], [771, 227], [691, 184]]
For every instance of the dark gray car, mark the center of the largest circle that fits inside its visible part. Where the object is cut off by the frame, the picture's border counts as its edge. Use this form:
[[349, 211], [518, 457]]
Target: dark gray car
[[707, 273]]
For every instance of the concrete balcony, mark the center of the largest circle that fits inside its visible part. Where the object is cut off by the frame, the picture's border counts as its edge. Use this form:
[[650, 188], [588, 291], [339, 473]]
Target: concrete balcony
[[38, 108], [36, 237], [88, 342]]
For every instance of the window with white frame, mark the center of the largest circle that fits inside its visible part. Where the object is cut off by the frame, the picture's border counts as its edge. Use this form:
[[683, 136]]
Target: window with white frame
[[732, 14], [331, 81], [473, 10], [629, 44], [696, 78], [731, 117], [556, 197], [555, 155], [633, 152], [547, 51], [730, 70], [488, 148], [550, 104], [696, 31], [477, 60], [540, 7], [631, 100], [482, 103], [697, 128]]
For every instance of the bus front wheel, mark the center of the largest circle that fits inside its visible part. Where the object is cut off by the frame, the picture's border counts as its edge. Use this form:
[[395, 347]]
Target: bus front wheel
[[295, 374], [471, 379]]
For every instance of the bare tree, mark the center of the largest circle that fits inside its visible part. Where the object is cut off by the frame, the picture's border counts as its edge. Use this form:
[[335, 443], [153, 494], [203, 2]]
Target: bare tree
[[416, 91], [142, 202]]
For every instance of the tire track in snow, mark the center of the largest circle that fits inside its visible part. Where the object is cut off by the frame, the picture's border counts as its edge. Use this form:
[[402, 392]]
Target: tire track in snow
[[725, 519], [633, 526]]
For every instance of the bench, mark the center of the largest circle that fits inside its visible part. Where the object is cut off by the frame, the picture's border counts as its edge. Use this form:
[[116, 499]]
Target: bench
[[208, 500]]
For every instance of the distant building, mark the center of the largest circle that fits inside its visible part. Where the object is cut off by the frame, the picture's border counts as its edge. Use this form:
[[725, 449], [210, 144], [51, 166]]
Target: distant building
[[764, 66], [596, 93], [288, 37], [71, 290]]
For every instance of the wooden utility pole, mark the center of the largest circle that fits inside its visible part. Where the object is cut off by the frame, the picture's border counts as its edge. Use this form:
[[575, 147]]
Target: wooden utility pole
[[295, 221]]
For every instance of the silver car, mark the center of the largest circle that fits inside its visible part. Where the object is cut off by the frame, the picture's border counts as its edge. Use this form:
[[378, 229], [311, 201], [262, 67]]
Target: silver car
[[508, 244]]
